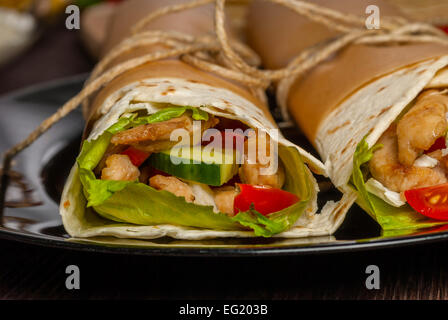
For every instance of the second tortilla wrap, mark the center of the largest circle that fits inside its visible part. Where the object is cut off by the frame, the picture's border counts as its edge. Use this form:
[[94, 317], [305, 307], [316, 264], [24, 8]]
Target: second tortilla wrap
[[356, 94], [151, 88]]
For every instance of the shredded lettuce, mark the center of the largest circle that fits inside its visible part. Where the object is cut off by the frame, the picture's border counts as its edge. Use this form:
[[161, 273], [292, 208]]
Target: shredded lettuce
[[387, 216], [138, 203]]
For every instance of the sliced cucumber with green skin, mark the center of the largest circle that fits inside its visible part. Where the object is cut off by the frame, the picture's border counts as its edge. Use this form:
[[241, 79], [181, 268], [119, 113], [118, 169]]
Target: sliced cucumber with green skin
[[194, 164]]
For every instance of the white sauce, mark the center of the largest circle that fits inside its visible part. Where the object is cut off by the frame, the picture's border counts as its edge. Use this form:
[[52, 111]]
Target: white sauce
[[391, 197], [425, 161]]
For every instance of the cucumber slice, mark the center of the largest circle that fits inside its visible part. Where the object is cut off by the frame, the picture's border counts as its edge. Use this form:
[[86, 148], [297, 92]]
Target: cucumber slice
[[192, 163]]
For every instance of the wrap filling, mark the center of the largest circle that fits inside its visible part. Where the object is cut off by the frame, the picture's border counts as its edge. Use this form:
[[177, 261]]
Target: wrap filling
[[184, 166], [403, 180]]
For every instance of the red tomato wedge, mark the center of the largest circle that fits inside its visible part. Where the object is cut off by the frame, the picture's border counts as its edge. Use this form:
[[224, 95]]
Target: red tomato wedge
[[137, 156], [444, 28], [438, 144], [265, 200], [430, 201]]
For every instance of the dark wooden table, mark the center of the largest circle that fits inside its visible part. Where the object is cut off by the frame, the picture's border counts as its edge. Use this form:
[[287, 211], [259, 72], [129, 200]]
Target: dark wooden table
[[30, 272]]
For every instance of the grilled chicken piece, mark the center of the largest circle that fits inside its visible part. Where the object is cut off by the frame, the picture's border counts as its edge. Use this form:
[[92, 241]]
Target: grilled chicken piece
[[111, 149], [155, 137], [119, 167], [173, 185], [385, 167], [153, 131], [252, 173], [421, 126], [224, 198]]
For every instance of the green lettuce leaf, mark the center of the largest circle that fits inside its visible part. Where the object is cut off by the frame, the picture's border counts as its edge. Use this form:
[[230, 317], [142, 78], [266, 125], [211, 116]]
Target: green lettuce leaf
[[97, 191], [138, 203], [141, 204], [162, 115], [387, 216]]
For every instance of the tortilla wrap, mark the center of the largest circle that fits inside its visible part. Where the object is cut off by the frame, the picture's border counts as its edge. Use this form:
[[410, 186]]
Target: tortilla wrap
[[357, 93], [155, 85]]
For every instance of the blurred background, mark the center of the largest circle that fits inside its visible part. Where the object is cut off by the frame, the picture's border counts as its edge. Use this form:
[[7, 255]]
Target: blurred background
[[36, 46]]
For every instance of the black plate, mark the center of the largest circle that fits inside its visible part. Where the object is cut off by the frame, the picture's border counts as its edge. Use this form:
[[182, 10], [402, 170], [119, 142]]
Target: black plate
[[43, 167]]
